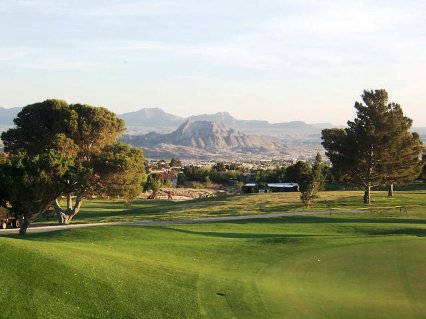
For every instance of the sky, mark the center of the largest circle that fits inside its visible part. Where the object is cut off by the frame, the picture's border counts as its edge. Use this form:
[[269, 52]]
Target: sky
[[275, 60]]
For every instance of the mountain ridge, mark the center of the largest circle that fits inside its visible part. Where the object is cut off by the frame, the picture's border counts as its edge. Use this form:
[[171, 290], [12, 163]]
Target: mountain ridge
[[205, 139]]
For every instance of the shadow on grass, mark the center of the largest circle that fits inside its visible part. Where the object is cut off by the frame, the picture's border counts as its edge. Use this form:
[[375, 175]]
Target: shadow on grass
[[247, 235], [331, 220], [400, 231]]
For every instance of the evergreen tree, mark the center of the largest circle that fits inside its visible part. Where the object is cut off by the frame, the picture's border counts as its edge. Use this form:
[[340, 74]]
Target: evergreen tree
[[310, 183], [403, 148], [294, 173], [376, 147]]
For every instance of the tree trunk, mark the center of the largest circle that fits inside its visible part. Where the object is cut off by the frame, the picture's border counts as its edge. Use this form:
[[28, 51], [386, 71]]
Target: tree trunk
[[390, 190], [367, 194], [24, 223], [66, 216]]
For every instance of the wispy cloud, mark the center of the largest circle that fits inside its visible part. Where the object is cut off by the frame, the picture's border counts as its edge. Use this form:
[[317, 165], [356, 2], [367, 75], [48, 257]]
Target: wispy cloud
[[42, 59], [228, 54]]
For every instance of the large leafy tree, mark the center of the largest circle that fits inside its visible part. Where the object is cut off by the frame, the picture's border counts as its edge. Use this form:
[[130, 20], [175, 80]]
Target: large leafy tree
[[29, 183], [86, 136], [376, 147]]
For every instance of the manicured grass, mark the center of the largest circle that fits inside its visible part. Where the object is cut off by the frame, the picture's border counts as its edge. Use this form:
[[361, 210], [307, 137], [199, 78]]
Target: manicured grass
[[107, 211], [334, 266]]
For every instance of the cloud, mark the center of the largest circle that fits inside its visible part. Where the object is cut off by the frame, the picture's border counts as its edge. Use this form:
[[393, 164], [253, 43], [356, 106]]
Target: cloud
[[227, 54], [42, 59]]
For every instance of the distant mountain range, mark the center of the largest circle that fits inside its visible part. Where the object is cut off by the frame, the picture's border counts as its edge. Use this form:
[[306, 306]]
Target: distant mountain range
[[151, 117], [206, 140], [304, 139], [155, 119]]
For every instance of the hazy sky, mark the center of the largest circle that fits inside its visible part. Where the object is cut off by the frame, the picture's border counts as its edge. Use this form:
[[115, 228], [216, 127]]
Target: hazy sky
[[278, 60]]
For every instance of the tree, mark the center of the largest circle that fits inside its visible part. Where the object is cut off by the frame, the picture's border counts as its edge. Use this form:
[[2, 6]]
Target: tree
[[87, 137], [310, 183], [295, 172], [423, 172], [153, 183], [403, 149], [30, 183], [376, 147]]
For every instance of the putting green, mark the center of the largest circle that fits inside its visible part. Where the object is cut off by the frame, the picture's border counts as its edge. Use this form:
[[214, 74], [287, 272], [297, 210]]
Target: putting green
[[369, 280]]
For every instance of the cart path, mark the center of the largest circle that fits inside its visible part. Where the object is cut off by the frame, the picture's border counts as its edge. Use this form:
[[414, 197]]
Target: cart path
[[42, 229]]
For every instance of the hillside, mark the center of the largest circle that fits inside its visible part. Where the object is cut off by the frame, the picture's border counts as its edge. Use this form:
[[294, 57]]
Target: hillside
[[160, 121], [204, 139]]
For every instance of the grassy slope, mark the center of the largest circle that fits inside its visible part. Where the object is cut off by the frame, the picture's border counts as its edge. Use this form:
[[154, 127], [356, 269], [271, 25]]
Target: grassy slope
[[311, 267]]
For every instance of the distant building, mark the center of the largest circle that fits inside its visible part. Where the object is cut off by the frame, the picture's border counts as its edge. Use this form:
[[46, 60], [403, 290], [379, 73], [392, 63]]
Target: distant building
[[271, 187], [283, 187]]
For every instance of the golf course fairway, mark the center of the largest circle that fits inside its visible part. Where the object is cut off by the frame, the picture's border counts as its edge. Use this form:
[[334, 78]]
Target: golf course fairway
[[337, 266]]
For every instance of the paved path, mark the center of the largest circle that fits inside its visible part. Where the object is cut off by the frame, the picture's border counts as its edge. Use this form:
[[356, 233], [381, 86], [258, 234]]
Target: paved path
[[42, 229]]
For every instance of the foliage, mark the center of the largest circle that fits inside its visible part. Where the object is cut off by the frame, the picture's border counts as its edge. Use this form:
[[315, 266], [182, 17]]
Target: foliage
[[423, 172], [297, 172], [206, 175], [404, 164], [30, 183], [153, 183], [120, 169], [376, 147], [87, 137], [195, 173], [310, 184]]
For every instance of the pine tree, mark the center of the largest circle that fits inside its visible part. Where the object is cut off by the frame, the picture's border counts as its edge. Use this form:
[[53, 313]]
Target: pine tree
[[376, 148]]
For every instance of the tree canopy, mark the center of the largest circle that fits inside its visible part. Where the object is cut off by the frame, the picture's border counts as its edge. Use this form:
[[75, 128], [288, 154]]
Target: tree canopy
[[81, 138], [377, 147]]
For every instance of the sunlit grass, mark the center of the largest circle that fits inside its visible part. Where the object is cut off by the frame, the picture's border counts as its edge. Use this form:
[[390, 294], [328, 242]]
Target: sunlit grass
[[255, 204], [332, 266]]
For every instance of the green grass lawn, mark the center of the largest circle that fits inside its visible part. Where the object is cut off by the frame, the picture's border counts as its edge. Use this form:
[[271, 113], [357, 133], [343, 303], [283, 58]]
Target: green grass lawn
[[337, 266], [255, 204]]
